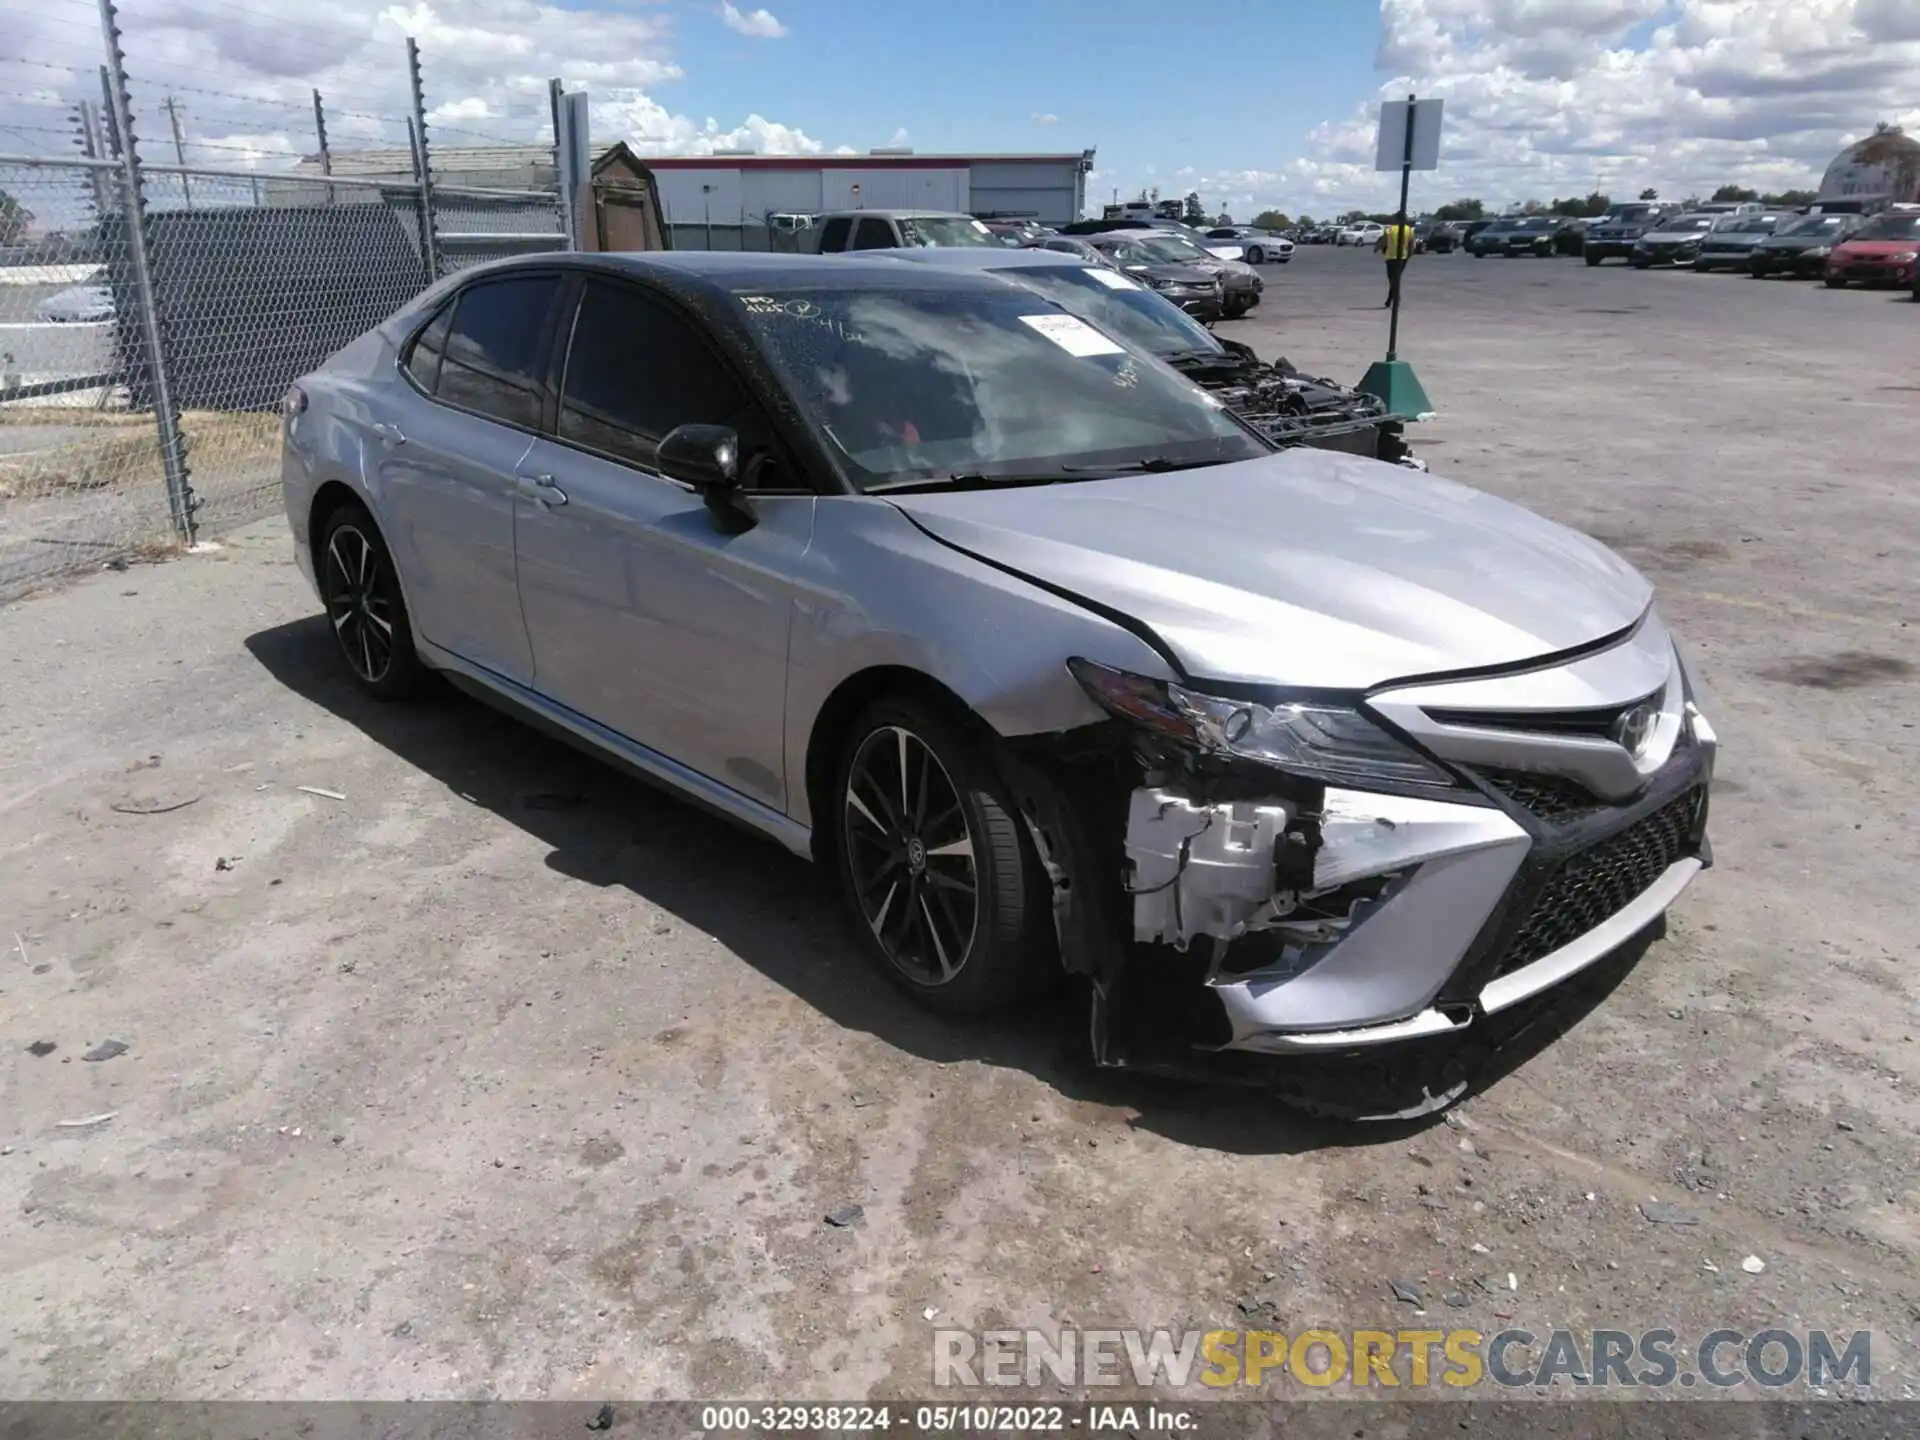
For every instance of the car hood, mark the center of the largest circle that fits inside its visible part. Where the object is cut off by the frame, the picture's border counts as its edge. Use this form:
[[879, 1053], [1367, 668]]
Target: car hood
[[1797, 242], [1740, 239], [1674, 237], [1182, 274], [1305, 568]]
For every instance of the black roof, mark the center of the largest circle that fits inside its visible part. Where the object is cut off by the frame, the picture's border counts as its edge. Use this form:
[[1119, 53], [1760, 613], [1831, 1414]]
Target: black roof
[[724, 271]]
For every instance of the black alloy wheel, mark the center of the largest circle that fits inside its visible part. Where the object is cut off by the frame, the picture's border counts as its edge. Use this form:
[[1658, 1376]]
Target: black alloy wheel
[[361, 592], [936, 870]]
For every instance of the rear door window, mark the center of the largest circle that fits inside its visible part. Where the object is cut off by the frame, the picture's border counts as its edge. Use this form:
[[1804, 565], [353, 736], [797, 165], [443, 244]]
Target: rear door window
[[423, 356], [834, 236], [496, 349]]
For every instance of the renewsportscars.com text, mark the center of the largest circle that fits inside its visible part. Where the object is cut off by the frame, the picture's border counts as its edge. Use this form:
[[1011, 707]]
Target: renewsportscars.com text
[[1771, 1359]]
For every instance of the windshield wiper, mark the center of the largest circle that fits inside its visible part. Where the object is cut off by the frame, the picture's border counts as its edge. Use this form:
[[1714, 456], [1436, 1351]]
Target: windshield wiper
[[1152, 465], [1199, 355], [971, 480]]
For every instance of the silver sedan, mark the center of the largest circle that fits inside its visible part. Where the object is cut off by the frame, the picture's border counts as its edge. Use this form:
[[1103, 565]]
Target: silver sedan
[[1049, 660]]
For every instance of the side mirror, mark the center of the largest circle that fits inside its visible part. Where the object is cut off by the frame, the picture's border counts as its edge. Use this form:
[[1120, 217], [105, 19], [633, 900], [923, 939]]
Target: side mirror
[[707, 457]]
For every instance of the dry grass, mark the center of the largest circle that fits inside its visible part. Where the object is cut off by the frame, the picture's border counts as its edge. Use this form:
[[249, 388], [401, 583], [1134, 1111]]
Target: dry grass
[[123, 450]]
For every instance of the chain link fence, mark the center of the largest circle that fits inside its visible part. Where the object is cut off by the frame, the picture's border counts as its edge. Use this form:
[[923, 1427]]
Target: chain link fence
[[157, 296]]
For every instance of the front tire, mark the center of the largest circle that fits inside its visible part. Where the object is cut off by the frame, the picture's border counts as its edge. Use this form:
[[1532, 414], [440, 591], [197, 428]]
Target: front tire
[[361, 591], [936, 871], [1593, 260], [1256, 256], [1834, 282]]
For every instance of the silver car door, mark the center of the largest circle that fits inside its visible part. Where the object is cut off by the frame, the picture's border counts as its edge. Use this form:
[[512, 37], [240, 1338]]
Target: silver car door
[[645, 616], [450, 453]]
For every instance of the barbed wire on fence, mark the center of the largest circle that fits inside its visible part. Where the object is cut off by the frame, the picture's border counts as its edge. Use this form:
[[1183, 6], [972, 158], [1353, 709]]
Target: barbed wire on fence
[[175, 250]]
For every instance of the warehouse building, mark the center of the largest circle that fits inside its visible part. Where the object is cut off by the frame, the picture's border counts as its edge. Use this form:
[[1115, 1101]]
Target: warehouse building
[[734, 201]]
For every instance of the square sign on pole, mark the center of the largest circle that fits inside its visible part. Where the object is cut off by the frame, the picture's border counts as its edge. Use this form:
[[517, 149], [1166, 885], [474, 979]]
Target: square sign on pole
[[1409, 141], [1395, 149]]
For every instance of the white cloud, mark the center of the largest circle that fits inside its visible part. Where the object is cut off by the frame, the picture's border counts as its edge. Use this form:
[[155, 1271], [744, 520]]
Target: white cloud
[[760, 24], [651, 129], [1045, 117], [243, 75], [900, 139], [1559, 97]]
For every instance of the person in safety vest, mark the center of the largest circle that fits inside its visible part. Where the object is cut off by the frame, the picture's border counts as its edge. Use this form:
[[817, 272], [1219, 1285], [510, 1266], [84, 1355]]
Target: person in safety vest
[[1396, 243]]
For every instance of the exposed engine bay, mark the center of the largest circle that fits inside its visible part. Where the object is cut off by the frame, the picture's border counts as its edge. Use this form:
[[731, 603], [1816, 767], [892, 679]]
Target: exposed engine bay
[[1291, 407]]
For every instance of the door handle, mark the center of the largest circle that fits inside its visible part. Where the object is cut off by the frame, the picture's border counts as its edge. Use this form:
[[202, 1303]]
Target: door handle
[[543, 490], [389, 433]]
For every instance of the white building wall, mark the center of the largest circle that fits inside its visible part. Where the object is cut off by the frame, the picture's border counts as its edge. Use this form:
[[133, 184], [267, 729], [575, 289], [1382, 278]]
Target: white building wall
[[695, 197], [781, 192], [1052, 192], [893, 189]]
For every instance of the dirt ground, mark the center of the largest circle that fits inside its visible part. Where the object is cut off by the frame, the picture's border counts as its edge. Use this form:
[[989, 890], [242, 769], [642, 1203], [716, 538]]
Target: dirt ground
[[502, 1076]]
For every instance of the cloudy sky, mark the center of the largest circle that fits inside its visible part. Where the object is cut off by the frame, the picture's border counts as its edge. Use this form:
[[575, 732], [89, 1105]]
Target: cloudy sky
[[1253, 103]]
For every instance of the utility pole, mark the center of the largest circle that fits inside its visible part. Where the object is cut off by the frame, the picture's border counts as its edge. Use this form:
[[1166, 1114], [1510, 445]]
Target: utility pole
[[179, 151]]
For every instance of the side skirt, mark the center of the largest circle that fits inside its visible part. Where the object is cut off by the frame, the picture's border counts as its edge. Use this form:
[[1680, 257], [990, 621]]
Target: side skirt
[[590, 736]]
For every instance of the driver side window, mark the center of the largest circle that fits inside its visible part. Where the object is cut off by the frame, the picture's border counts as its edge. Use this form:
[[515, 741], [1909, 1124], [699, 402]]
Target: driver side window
[[636, 368]]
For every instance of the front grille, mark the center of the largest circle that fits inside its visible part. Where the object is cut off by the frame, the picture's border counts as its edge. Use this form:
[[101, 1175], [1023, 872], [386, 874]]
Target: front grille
[[1592, 886], [1596, 723], [1552, 798]]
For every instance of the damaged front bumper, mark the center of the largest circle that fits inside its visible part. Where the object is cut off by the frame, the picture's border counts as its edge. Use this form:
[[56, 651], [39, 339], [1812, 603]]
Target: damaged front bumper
[[1419, 915], [1336, 921]]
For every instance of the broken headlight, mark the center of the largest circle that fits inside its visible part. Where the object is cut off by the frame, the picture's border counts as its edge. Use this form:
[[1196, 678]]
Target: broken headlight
[[1333, 744]]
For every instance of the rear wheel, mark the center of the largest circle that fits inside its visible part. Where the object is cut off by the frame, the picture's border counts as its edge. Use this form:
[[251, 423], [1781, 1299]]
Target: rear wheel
[[933, 863], [361, 590]]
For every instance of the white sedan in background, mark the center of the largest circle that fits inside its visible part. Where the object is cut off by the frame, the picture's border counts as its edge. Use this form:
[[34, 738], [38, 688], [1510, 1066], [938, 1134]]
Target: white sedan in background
[[1367, 232], [1257, 246]]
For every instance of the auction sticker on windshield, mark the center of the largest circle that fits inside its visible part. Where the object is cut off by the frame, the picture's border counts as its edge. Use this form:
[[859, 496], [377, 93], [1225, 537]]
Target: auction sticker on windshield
[[1112, 279], [1072, 334]]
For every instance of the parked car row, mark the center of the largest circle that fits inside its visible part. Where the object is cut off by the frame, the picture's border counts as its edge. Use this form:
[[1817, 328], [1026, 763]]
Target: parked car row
[[1841, 248]]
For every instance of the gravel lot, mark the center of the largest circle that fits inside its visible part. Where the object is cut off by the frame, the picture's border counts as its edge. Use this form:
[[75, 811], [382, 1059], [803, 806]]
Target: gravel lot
[[502, 1076]]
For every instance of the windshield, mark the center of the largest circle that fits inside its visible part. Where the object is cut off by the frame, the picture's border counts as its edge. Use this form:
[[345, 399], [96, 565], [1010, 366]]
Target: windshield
[[1689, 223], [1535, 225], [1747, 225], [1176, 248], [1119, 306], [937, 230], [1818, 225], [1890, 227], [1627, 214], [930, 385]]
